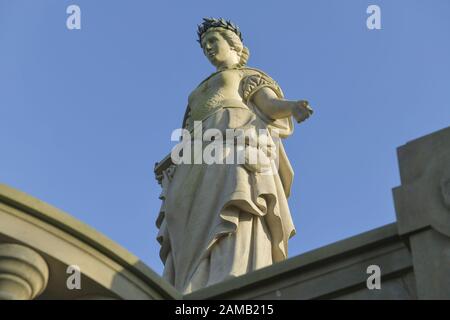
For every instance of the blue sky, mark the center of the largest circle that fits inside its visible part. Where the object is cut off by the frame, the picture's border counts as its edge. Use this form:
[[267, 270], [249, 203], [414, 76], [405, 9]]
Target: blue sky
[[86, 113]]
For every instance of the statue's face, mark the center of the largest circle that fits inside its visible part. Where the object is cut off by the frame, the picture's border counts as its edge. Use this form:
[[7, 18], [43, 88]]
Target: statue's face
[[217, 49]]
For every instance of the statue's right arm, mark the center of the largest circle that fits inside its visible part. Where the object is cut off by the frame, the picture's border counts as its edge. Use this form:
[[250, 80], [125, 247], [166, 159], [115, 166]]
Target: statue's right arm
[[275, 108]]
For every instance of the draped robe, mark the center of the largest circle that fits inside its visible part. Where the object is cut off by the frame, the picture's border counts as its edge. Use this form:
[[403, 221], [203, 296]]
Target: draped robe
[[219, 221]]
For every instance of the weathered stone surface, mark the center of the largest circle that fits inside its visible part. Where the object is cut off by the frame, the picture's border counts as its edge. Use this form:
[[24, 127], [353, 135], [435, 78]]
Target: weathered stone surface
[[423, 211]]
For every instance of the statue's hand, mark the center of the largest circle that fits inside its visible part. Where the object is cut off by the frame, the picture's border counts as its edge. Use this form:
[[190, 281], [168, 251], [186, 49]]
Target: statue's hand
[[301, 110]]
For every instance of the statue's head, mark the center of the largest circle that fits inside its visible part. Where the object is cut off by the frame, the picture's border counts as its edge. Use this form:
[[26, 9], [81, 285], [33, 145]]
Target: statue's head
[[221, 42]]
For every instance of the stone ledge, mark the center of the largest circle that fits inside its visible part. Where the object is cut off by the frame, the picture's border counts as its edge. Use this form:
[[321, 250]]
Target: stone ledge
[[89, 236]]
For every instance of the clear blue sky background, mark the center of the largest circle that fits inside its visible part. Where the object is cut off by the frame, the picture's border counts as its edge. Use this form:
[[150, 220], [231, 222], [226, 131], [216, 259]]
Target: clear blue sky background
[[86, 114]]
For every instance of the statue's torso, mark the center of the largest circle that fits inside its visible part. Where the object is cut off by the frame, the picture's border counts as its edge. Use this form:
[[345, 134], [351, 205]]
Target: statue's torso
[[210, 94]]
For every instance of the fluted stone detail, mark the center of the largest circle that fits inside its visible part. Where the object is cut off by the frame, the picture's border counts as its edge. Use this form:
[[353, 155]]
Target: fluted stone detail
[[23, 273]]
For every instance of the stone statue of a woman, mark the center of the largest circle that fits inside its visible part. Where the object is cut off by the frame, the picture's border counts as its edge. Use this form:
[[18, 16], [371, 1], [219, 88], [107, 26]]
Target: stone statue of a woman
[[223, 220]]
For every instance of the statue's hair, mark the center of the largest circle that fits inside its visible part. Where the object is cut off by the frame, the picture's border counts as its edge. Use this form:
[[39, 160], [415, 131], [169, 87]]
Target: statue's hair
[[209, 23], [230, 32]]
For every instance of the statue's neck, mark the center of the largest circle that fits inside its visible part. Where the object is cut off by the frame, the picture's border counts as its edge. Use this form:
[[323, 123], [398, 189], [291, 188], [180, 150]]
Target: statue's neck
[[227, 67]]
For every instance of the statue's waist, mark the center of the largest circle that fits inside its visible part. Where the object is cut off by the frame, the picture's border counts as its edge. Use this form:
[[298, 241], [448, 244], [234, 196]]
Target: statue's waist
[[207, 111]]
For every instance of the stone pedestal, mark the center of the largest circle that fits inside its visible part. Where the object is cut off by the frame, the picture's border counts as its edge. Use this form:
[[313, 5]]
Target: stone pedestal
[[23, 273]]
